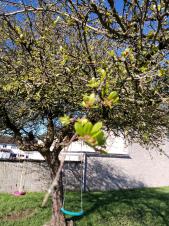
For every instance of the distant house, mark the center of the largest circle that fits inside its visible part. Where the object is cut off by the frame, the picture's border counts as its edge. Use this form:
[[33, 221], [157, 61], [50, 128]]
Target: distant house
[[6, 148], [5, 153], [9, 149], [7, 145]]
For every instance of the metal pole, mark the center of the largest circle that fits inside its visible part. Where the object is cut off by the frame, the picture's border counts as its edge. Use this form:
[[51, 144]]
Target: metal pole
[[85, 173]]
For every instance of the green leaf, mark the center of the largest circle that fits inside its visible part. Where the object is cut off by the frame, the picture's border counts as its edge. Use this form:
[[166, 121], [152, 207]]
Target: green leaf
[[96, 127], [159, 7], [146, 137], [21, 36], [65, 120], [93, 83], [111, 100], [112, 95], [37, 96], [79, 128], [18, 29], [89, 101], [111, 53], [87, 128], [83, 121], [161, 72], [102, 72], [7, 87], [116, 100], [143, 69], [100, 138]]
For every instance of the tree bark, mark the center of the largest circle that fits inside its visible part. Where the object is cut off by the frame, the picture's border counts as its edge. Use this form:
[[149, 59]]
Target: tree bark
[[55, 166], [58, 218], [57, 199]]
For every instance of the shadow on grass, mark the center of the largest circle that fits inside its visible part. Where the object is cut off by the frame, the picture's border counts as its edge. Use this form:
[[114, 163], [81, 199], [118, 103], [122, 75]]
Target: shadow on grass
[[132, 207], [141, 206]]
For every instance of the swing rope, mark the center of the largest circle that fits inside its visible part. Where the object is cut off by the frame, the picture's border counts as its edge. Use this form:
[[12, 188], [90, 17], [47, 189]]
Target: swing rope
[[20, 178], [81, 212], [64, 189], [82, 180]]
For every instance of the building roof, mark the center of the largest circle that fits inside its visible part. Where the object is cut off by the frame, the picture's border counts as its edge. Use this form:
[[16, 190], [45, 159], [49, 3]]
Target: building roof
[[5, 150]]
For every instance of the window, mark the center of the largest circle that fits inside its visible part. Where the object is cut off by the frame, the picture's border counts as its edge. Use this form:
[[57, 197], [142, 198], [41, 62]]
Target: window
[[4, 146]]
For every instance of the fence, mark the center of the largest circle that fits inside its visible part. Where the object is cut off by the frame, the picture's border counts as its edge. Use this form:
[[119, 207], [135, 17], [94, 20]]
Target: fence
[[143, 169]]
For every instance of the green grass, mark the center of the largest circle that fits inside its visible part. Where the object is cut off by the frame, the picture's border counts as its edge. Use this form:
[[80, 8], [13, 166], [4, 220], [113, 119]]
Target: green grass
[[137, 207], [24, 210]]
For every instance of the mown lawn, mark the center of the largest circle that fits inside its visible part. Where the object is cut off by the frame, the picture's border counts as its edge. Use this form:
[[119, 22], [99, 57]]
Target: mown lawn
[[136, 207]]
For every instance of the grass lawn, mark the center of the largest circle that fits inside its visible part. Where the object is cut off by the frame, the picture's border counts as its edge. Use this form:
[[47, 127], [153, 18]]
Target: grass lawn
[[136, 207]]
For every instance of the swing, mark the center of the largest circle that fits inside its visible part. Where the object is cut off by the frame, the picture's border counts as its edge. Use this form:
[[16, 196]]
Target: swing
[[72, 213], [20, 191]]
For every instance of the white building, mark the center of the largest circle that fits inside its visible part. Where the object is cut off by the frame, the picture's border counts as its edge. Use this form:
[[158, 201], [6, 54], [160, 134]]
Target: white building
[[114, 146], [10, 150], [10, 146], [35, 155]]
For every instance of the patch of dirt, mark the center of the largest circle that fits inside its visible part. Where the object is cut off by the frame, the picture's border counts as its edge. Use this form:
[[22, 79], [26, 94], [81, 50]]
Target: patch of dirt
[[18, 215]]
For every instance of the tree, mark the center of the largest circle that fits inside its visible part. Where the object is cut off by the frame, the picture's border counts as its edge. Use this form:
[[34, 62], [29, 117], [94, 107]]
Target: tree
[[67, 65]]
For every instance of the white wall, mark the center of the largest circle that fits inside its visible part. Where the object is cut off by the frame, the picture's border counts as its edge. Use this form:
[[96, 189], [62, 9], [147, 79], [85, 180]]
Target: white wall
[[114, 145], [34, 155]]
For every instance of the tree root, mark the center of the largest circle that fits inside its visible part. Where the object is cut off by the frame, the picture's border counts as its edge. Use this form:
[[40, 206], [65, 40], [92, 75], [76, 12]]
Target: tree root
[[69, 222]]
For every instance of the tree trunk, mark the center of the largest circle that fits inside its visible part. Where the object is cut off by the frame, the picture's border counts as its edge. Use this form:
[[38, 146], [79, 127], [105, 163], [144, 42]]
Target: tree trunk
[[54, 164], [57, 198], [58, 218]]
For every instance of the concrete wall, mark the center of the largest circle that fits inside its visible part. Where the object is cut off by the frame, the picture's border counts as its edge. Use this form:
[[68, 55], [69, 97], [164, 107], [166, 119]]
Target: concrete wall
[[35, 176], [143, 169]]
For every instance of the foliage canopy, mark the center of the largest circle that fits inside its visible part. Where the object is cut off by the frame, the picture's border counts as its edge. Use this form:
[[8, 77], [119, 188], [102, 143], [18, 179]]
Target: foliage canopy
[[67, 66], [106, 62]]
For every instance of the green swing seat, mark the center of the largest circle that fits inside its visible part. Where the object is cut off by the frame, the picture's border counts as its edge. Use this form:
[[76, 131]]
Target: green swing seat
[[71, 213], [79, 213]]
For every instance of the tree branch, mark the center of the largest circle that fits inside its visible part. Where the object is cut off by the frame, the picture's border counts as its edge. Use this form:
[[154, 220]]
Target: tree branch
[[116, 15]]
